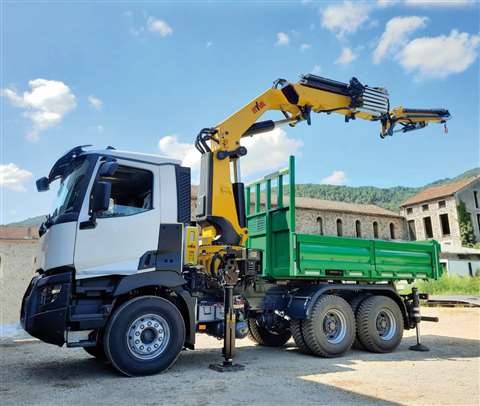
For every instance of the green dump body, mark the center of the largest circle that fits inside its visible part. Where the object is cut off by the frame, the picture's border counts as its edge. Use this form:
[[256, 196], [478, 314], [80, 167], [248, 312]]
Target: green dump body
[[288, 255]]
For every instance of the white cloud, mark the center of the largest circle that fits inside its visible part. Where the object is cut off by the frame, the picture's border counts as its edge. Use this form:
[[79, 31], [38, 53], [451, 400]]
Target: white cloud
[[345, 18], [282, 39], [171, 147], [266, 152], [12, 177], [396, 33], [45, 105], [440, 56], [316, 69], [335, 178], [208, 44], [95, 102], [159, 26], [305, 47], [439, 3], [346, 56]]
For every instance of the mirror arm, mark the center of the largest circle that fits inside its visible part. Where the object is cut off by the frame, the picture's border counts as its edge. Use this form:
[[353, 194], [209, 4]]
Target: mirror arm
[[90, 223]]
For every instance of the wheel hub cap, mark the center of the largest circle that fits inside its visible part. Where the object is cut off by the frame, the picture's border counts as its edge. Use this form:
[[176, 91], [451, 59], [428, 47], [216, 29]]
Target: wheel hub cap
[[148, 336], [334, 326], [386, 324]]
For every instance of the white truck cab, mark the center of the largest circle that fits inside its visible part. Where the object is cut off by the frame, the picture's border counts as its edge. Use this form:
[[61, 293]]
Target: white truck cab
[[143, 194]]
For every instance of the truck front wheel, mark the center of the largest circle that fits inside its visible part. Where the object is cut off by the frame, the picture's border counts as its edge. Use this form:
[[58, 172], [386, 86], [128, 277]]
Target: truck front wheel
[[380, 324], [329, 331], [144, 336], [262, 336]]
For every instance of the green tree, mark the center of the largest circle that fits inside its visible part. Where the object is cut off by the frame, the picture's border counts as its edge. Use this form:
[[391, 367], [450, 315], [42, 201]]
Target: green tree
[[467, 234]]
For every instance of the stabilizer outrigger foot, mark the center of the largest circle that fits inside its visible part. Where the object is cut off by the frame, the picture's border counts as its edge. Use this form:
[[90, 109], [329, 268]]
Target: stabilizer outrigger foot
[[418, 318], [228, 351], [227, 366]]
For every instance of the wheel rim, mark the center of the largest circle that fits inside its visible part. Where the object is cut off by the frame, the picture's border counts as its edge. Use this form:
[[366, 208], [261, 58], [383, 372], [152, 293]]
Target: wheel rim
[[334, 326], [148, 336], [386, 324]]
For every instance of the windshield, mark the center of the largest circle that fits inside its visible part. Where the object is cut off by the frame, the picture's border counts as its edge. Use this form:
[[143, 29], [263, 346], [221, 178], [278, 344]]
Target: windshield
[[69, 192]]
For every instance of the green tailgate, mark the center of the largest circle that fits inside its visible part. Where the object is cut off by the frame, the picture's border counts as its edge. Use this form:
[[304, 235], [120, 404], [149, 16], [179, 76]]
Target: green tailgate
[[287, 255]]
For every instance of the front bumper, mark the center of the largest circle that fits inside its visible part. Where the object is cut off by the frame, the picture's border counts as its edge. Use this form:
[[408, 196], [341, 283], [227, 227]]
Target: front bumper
[[43, 314]]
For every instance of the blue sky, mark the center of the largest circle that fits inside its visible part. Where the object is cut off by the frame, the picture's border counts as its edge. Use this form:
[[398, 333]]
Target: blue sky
[[146, 76]]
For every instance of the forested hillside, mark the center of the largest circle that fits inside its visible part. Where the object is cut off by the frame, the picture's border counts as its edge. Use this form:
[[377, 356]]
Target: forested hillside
[[389, 198]]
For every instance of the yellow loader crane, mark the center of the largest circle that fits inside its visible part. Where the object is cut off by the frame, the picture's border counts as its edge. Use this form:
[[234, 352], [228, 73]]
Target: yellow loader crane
[[221, 210]]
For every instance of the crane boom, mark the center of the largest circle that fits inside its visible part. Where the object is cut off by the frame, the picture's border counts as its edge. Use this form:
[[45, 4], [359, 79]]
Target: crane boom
[[221, 202]]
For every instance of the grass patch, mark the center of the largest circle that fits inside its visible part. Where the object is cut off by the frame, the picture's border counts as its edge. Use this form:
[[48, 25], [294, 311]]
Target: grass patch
[[447, 285]]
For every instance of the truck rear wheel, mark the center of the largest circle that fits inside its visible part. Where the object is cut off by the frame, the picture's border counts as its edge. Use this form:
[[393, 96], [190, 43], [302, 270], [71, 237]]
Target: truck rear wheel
[[296, 328], [355, 304], [144, 336], [380, 324], [329, 331], [268, 338]]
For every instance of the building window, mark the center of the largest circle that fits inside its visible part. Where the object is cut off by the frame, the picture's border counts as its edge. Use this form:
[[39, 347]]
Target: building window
[[478, 221], [427, 224], [441, 204], [339, 228], [320, 225], [425, 207], [445, 224], [475, 197], [392, 231], [358, 229], [410, 210], [375, 229], [411, 230]]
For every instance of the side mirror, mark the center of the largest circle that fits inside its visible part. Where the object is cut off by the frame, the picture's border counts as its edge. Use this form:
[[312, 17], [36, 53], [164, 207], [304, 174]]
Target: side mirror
[[101, 197], [108, 168], [43, 184]]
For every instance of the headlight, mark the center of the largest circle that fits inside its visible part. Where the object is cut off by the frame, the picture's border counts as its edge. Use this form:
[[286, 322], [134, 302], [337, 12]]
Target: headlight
[[50, 294]]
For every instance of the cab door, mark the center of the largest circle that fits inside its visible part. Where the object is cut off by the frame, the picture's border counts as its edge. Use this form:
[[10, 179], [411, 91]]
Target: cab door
[[120, 235]]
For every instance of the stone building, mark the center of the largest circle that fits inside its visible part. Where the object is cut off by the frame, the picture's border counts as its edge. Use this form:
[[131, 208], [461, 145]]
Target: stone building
[[432, 214], [325, 217], [18, 246]]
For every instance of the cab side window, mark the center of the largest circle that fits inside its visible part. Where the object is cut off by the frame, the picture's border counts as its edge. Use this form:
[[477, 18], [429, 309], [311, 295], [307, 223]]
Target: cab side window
[[132, 192]]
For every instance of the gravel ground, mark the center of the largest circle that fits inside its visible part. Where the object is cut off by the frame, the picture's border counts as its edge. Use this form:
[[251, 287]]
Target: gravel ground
[[33, 373]]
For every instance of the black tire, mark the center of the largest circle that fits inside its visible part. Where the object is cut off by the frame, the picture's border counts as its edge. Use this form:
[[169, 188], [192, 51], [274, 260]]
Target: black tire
[[333, 313], [98, 352], [380, 324], [297, 334], [165, 331], [355, 304], [265, 337]]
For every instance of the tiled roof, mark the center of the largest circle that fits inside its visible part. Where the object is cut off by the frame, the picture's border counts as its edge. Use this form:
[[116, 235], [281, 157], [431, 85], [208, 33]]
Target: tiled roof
[[436, 192], [330, 205]]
